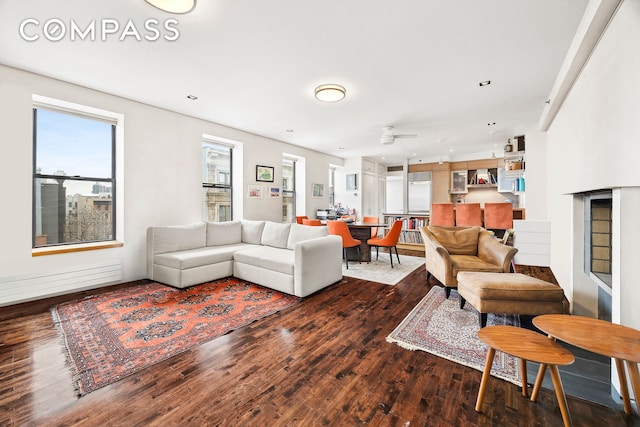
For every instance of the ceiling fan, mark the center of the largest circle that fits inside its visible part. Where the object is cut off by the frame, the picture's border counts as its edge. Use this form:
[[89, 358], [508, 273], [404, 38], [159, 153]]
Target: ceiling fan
[[388, 137]]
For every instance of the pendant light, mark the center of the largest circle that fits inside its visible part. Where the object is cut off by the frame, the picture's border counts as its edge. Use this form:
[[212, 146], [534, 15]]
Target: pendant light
[[174, 6]]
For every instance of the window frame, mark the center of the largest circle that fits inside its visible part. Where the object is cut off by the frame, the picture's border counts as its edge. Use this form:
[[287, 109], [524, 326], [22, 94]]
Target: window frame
[[293, 191], [117, 179], [229, 186]]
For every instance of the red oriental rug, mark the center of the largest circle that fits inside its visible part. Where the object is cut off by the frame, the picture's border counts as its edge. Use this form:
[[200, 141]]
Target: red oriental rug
[[116, 334]]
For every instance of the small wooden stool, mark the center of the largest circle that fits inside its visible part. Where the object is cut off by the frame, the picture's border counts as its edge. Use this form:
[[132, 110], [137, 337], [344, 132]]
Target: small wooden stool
[[527, 345]]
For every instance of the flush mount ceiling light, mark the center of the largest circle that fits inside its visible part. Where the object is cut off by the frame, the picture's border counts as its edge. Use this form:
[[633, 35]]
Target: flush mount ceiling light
[[484, 83], [330, 93], [174, 6]]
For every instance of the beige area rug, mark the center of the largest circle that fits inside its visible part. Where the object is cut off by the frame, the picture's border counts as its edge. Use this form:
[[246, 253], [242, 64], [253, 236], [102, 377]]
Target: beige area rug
[[380, 271], [438, 326]]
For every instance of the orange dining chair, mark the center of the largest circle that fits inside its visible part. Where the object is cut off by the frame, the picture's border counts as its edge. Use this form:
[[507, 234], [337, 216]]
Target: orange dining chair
[[442, 215], [340, 228], [389, 241], [372, 220], [314, 222], [498, 216], [468, 215], [300, 218]]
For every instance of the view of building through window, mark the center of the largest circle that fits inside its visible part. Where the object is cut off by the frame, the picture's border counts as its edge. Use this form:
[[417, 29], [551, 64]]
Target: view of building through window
[[73, 179], [216, 182], [288, 190]]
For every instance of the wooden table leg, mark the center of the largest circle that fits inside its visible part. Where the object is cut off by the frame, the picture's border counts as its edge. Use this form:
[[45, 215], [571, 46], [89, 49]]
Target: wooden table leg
[[624, 388], [523, 373], [485, 377], [635, 381], [536, 387], [562, 400]]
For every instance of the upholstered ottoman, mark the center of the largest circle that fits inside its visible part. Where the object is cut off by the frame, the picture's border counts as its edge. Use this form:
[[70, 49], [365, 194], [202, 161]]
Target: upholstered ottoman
[[509, 293]]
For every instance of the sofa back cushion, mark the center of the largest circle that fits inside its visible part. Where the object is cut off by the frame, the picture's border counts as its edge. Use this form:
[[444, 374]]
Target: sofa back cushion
[[223, 233], [457, 241], [179, 238], [299, 233], [251, 231], [275, 234]]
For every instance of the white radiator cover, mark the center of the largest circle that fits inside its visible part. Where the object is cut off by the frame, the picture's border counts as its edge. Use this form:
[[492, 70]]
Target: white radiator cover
[[30, 287]]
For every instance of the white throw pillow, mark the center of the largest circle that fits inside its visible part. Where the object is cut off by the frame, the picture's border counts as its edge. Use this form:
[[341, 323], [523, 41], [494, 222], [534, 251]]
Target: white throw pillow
[[300, 233], [252, 231], [223, 233], [275, 234]]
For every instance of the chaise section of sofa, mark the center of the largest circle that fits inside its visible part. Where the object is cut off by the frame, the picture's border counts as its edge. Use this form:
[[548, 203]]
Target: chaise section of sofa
[[290, 258]]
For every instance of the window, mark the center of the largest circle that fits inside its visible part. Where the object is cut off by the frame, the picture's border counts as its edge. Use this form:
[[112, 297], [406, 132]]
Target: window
[[288, 190], [74, 177], [216, 182], [332, 187]]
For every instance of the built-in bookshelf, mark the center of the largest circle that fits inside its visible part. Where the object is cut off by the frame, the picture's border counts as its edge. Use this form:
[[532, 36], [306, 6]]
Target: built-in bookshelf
[[410, 237]]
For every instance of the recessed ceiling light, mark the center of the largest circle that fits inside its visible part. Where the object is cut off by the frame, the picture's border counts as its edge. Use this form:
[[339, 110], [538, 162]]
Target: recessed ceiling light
[[289, 130], [340, 148], [451, 150], [330, 93], [484, 83], [491, 124], [192, 97], [174, 6]]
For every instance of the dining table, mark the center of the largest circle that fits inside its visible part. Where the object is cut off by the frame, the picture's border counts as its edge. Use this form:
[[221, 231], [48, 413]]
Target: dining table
[[362, 231], [618, 342]]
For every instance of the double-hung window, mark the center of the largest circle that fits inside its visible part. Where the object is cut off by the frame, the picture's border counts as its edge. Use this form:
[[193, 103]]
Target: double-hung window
[[288, 190], [217, 182], [74, 178]]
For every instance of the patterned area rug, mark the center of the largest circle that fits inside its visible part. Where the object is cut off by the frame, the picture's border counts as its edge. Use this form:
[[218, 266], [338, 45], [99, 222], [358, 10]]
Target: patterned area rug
[[116, 334], [380, 271], [438, 326]]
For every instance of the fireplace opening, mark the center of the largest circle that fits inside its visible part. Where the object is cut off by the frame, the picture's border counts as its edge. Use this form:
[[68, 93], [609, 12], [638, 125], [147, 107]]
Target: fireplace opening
[[598, 262]]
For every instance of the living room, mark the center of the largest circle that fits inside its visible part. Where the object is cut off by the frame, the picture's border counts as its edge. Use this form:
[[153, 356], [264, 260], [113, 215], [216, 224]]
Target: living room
[[586, 141]]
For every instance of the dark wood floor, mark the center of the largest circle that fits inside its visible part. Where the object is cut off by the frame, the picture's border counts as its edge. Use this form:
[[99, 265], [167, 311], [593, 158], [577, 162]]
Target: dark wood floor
[[324, 361]]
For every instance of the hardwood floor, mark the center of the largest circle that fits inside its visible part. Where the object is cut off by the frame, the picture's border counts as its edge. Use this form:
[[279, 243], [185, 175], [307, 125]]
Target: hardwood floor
[[324, 361]]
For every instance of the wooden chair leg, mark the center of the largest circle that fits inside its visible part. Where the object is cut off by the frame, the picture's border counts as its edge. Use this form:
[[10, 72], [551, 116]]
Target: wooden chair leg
[[462, 302], [482, 317], [447, 292]]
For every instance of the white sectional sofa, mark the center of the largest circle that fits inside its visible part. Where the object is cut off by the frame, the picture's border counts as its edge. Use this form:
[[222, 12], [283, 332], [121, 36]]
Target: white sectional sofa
[[291, 258]]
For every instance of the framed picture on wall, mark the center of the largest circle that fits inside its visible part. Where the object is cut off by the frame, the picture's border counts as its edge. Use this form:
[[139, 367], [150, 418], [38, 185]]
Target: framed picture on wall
[[254, 191], [318, 190], [352, 181], [274, 192], [264, 173]]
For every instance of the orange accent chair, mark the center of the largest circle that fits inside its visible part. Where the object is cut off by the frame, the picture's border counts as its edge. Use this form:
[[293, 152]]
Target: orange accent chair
[[389, 241], [372, 220], [468, 215], [300, 218], [313, 222], [442, 215], [498, 216], [340, 228]]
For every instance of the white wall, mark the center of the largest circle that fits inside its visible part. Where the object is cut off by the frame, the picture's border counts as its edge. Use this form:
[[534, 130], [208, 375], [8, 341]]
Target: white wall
[[593, 144], [162, 172]]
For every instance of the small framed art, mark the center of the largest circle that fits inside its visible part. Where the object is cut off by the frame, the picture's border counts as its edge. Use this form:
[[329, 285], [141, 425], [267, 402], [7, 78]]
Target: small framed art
[[318, 190], [264, 173], [274, 192], [254, 191]]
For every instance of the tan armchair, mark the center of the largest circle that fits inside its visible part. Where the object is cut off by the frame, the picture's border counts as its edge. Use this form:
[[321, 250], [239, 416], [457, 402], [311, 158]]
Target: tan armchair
[[449, 250]]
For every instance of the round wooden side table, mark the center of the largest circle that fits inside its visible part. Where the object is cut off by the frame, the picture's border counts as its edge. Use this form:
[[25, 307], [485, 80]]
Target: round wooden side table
[[526, 345]]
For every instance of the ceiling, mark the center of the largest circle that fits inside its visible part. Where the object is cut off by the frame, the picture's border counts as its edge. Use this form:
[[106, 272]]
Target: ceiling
[[412, 64]]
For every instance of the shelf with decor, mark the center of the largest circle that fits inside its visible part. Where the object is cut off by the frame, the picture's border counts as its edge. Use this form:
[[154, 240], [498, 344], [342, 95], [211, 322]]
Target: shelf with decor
[[410, 237]]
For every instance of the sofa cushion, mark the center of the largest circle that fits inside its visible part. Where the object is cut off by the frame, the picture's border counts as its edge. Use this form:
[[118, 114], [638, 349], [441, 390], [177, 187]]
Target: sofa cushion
[[301, 233], [183, 260], [179, 238], [251, 231], [472, 263], [275, 234], [276, 259], [459, 241], [223, 233]]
